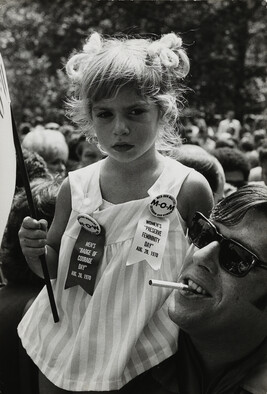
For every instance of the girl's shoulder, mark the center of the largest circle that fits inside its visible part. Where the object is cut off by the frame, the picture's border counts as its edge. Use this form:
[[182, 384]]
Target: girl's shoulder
[[195, 195], [176, 169]]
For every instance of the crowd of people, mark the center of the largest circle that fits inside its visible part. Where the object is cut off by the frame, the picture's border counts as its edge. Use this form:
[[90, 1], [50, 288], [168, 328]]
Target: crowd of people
[[240, 147], [122, 197]]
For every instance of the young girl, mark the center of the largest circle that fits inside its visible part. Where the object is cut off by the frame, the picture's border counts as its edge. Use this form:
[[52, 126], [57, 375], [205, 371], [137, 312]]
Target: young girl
[[114, 326]]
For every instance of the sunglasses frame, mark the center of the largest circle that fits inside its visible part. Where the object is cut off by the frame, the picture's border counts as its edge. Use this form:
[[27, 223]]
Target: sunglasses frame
[[256, 262]]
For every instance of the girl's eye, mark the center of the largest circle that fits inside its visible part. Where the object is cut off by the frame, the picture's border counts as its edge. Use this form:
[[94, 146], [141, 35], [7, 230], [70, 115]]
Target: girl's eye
[[104, 114], [137, 111]]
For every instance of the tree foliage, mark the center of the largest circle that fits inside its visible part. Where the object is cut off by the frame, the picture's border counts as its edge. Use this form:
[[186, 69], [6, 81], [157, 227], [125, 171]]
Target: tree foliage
[[225, 40]]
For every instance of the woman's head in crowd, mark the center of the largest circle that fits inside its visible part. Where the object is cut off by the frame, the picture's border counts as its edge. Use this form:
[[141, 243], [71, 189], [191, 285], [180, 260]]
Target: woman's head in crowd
[[51, 145], [152, 69]]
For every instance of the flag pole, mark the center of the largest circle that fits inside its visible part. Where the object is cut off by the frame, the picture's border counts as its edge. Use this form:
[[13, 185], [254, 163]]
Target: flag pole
[[33, 214]]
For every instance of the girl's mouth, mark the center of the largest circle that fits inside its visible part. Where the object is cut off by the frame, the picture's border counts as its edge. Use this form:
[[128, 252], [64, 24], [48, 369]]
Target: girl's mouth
[[122, 147]]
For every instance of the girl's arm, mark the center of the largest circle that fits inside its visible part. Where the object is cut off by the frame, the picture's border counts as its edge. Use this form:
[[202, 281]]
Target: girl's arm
[[35, 240], [195, 195]]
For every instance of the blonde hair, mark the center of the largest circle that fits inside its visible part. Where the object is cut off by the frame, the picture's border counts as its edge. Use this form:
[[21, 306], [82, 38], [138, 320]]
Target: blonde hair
[[154, 69], [47, 143]]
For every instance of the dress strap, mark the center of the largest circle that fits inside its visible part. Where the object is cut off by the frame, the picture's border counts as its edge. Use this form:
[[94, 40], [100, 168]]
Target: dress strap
[[85, 188], [171, 179]]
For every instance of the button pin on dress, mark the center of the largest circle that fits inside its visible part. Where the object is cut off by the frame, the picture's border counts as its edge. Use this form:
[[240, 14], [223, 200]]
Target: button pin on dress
[[89, 223], [162, 205]]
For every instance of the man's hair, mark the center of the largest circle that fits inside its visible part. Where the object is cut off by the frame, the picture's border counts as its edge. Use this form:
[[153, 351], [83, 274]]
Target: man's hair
[[231, 210], [198, 158], [232, 159]]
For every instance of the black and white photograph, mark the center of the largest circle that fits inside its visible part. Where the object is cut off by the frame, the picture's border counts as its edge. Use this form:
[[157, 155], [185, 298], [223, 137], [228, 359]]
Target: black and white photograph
[[133, 196]]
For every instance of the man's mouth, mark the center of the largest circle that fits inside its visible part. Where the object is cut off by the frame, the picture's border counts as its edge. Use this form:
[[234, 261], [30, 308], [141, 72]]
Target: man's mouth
[[122, 146], [195, 288]]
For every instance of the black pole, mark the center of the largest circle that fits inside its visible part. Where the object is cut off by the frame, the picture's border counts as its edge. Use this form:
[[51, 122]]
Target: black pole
[[33, 214]]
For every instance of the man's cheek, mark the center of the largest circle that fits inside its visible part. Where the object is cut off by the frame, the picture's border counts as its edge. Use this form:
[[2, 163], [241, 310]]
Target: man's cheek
[[260, 302], [188, 257]]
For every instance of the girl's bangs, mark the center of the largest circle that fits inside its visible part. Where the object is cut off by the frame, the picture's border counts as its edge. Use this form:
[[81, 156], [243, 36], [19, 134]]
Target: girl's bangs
[[108, 81]]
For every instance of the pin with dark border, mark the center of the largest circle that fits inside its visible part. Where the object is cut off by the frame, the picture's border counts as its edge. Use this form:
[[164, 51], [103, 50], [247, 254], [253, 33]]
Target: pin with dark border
[[89, 223], [162, 205]]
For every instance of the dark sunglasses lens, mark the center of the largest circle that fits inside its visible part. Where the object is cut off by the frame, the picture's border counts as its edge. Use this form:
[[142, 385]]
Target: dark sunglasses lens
[[201, 233], [234, 259]]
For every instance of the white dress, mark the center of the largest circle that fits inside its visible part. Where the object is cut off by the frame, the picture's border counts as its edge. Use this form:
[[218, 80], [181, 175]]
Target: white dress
[[103, 341]]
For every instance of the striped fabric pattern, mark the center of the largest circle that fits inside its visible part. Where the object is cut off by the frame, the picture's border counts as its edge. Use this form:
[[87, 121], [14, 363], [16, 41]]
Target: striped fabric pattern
[[103, 341]]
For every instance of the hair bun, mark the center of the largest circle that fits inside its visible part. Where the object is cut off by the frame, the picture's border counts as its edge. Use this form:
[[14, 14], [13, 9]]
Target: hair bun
[[171, 41], [75, 65], [93, 44], [169, 49]]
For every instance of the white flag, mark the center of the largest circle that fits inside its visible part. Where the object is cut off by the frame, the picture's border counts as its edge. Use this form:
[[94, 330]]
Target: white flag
[[7, 152]]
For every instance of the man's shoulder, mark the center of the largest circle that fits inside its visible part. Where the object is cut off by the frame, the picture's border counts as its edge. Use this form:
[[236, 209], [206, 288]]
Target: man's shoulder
[[256, 381]]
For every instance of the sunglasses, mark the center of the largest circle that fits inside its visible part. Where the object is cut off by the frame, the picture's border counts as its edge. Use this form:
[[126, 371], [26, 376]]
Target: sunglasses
[[234, 258]]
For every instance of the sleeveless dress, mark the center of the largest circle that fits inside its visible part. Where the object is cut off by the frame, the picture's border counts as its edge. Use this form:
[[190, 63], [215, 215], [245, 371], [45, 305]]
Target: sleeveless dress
[[103, 341]]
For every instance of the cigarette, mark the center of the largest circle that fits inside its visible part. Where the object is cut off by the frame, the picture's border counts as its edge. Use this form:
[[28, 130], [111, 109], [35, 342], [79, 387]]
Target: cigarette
[[171, 285]]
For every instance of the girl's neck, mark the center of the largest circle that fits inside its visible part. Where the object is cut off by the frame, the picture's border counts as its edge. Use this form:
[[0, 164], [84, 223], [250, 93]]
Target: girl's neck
[[130, 181], [135, 168]]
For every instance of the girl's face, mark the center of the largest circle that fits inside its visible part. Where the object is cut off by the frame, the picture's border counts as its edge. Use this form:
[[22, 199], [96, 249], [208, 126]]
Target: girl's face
[[126, 125]]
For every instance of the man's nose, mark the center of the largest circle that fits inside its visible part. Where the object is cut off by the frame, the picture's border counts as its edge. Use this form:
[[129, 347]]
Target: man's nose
[[208, 257], [121, 127]]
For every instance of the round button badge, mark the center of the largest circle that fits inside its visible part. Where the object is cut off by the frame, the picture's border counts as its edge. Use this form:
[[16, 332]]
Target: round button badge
[[89, 223], [162, 205]]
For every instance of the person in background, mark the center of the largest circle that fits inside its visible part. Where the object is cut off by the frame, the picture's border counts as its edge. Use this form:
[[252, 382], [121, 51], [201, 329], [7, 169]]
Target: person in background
[[263, 161], [18, 375], [68, 131], [235, 165], [88, 153], [127, 93], [246, 145], [24, 128], [51, 145], [229, 125], [259, 174], [198, 158], [52, 126], [248, 126], [260, 132], [226, 141], [35, 165]]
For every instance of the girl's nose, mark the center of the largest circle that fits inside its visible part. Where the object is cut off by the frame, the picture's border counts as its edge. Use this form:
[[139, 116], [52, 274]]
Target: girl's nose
[[208, 257], [121, 127]]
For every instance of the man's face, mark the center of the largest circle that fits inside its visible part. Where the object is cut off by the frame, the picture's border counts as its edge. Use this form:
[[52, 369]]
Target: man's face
[[232, 306]]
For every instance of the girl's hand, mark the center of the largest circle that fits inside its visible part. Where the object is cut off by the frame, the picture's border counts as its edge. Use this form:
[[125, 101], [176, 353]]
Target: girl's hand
[[32, 238]]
